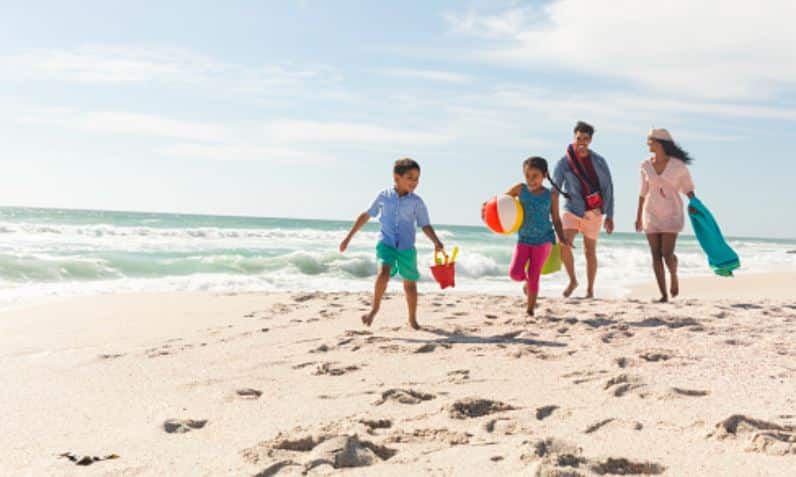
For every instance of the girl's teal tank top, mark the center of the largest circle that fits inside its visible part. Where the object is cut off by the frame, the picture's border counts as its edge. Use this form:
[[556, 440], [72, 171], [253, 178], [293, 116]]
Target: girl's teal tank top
[[536, 228]]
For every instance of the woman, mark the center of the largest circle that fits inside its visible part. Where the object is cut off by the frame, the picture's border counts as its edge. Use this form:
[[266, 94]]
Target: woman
[[664, 176]]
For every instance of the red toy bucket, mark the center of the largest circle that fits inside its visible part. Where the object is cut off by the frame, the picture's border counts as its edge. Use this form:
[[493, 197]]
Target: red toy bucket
[[444, 274]]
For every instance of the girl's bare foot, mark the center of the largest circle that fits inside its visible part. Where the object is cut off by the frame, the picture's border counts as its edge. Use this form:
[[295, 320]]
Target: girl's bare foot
[[570, 288], [589, 294], [367, 319], [529, 311], [662, 299], [413, 324], [675, 286]]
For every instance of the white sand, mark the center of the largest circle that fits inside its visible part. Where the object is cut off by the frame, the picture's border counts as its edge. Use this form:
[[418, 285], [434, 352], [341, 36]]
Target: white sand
[[741, 286], [651, 384]]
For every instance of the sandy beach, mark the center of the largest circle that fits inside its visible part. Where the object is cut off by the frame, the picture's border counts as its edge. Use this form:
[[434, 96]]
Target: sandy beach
[[291, 384]]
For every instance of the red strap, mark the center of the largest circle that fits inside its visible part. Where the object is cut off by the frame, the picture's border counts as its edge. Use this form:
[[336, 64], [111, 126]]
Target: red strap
[[576, 170]]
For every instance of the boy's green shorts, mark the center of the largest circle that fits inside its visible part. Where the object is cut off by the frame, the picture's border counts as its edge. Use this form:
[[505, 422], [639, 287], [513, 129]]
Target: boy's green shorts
[[403, 262]]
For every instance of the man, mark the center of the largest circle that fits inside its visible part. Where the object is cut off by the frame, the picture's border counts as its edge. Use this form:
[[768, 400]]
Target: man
[[586, 180]]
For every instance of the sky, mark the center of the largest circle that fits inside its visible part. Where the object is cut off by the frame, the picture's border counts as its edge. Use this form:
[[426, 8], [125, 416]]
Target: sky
[[299, 108]]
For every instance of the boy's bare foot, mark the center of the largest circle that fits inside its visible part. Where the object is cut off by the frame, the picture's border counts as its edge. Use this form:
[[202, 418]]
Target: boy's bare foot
[[675, 286], [367, 319], [413, 324], [570, 288], [589, 294], [662, 299]]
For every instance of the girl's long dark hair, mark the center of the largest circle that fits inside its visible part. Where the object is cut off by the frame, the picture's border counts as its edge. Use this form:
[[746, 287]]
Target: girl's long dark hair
[[673, 150], [540, 164]]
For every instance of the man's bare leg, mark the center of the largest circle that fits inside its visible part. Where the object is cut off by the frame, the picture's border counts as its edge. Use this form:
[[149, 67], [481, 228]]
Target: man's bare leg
[[382, 279], [590, 249], [569, 262]]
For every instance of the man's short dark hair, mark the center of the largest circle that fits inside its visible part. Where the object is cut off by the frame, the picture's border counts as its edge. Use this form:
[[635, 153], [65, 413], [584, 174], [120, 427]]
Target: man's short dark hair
[[584, 127], [402, 166]]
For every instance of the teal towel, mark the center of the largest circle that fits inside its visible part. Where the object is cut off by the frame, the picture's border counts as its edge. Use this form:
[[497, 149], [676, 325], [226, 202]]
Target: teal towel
[[721, 258]]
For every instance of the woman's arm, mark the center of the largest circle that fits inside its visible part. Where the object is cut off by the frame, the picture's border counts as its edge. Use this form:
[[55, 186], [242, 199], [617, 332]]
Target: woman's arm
[[638, 213], [643, 191]]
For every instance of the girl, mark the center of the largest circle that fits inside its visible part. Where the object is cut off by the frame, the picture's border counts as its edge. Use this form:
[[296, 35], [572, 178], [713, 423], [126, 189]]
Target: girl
[[664, 176], [535, 237]]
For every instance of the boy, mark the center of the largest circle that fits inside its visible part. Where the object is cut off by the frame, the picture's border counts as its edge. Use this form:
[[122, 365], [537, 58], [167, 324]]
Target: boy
[[400, 210]]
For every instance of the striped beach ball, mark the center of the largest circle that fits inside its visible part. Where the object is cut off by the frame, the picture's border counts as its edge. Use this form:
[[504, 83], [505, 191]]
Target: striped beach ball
[[503, 214]]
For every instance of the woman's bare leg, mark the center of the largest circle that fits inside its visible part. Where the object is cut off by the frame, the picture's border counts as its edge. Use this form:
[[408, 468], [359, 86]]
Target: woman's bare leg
[[668, 242], [657, 264]]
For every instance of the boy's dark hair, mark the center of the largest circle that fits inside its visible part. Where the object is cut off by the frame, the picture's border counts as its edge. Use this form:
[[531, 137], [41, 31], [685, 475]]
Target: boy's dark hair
[[540, 164], [584, 127], [404, 165]]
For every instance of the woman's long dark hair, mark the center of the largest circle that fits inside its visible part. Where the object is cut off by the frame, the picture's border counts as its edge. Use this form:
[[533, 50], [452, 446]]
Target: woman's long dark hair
[[673, 150], [540, 164]]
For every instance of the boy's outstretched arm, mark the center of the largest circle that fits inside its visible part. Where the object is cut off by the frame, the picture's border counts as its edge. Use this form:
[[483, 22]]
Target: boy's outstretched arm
[[429, 231], [363, 218]]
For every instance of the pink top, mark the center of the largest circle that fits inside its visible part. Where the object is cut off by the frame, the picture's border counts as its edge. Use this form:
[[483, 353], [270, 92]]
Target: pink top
[[663, 207]]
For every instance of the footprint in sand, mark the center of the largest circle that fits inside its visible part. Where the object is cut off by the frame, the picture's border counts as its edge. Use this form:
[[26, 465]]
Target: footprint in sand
[[181, 426], [311, 452], [635, 425], [249, 393], [544, 412], [331, 369], [653, 356], [458, 376], [689, 392], [443, 435], [585, 376], [502, 426], [403, 396], [761, 436], [430, 347], [556, 457], [669, 322], [476, 407], [86, 459], [623, 384], [373, 424]]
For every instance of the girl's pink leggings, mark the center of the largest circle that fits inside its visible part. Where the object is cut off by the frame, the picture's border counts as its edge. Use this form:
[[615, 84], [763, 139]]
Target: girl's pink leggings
[[532, 255]]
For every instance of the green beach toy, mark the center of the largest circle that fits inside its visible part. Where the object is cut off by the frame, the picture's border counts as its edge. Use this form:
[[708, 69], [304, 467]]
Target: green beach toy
[[553, 262]]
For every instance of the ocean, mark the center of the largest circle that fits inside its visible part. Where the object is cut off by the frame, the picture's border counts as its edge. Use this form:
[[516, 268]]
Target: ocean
[[51, 253]]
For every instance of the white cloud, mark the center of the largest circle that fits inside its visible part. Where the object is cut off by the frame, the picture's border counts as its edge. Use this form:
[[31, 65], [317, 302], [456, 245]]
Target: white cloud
[[130, 64], [352, 133], [95, 64], [243, 152], [430, 75], [119, 122], [507, 23], [718, 49]]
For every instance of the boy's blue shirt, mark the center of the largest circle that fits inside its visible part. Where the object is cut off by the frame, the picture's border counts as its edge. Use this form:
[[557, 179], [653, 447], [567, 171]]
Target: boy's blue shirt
[[568, 181], [398, 216]]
